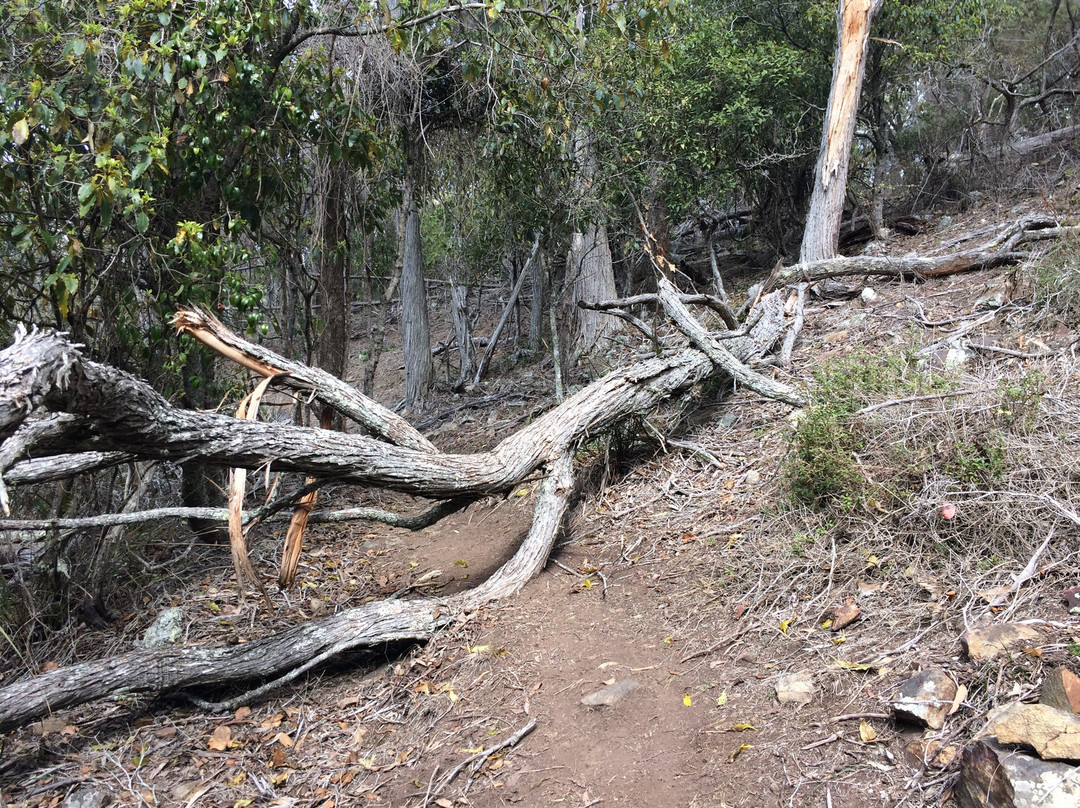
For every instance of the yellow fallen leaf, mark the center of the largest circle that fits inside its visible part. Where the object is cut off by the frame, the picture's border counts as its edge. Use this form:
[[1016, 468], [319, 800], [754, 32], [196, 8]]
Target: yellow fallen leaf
[[866, 732], [521, 492], [686, 700], [721, 700], [738, 750], [854, 666], [742, 727], [827, 623]]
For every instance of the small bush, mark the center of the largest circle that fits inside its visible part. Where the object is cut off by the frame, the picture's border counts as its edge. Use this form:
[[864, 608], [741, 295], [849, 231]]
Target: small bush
[[1057, 280], [822, 466]]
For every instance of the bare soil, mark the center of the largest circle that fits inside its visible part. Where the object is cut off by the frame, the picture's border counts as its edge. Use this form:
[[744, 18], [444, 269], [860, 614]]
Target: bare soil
[[686, 569]]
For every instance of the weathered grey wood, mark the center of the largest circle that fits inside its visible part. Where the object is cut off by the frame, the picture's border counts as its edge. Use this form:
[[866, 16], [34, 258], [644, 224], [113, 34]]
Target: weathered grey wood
[[172, 668], [717, 352], [327, 388], [44, 373]]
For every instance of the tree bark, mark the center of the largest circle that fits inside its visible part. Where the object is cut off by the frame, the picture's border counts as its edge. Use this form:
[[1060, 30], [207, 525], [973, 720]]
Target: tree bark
[[416, 338], [481, 368], [536, 305], [589, 270], [821, 235], [333, 345], [460, 311]]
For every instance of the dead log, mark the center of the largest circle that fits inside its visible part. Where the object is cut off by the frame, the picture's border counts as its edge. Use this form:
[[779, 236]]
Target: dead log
[[1000, 251], [44, 374]]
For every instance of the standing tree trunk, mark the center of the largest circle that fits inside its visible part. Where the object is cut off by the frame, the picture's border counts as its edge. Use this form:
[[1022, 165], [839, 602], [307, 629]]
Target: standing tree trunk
[[333, 345], [460, 309], [821, 236], [589, 266], [416, 338], [536, 307], [589, 269]]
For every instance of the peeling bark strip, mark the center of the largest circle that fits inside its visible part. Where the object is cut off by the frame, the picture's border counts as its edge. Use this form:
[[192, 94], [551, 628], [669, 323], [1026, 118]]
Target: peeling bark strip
[[328, 389], [118, 417]]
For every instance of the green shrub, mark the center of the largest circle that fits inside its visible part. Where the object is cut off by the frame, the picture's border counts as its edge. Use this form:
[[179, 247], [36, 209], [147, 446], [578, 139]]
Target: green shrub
[[822, 466]]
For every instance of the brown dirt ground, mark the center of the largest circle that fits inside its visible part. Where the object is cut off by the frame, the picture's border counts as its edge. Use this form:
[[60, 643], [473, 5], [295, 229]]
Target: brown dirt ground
[[684, 570]]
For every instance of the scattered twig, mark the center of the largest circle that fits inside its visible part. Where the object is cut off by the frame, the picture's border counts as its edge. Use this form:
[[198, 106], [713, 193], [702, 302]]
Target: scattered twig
[[911, 399], [857, 716], [512, 740], [822, 742]]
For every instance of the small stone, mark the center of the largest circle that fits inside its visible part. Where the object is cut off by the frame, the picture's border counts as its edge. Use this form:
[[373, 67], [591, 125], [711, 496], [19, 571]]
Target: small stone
[[753, 477], [868, 296], [986, 642], [955, 358], [87, 798], [932, 752], [612, 694], [992, 776], [945, 221], [1061, 689], [925, 699], [795, 688], [1071, 597], [844, 616], [1054, 734], [167, 628]]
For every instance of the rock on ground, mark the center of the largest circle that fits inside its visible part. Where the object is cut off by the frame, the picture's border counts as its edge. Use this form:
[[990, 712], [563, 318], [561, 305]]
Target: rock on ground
[[925, 699], [1054, 734], [1061, 689], [995, 777], [986, 642]]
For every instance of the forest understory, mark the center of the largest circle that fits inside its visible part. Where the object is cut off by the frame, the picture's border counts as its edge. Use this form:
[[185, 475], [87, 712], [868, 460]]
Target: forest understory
[[928, 483]]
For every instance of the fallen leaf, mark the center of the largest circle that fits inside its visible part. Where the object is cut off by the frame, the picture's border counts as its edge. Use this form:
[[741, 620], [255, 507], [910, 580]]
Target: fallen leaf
[[243, 713], [50, 666], [854, 666], [738, 750], [221, 738], [721, 700], [284, 740], [686, 700], [958, 699], [743, 727], [866, 732]]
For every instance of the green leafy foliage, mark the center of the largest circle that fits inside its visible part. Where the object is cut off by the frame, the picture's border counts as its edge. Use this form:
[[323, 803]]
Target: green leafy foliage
[[142, 145]]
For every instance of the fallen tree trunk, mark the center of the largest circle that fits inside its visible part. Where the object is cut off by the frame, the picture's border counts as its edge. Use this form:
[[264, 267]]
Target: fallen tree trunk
[[119, 417], [1000, 251]]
